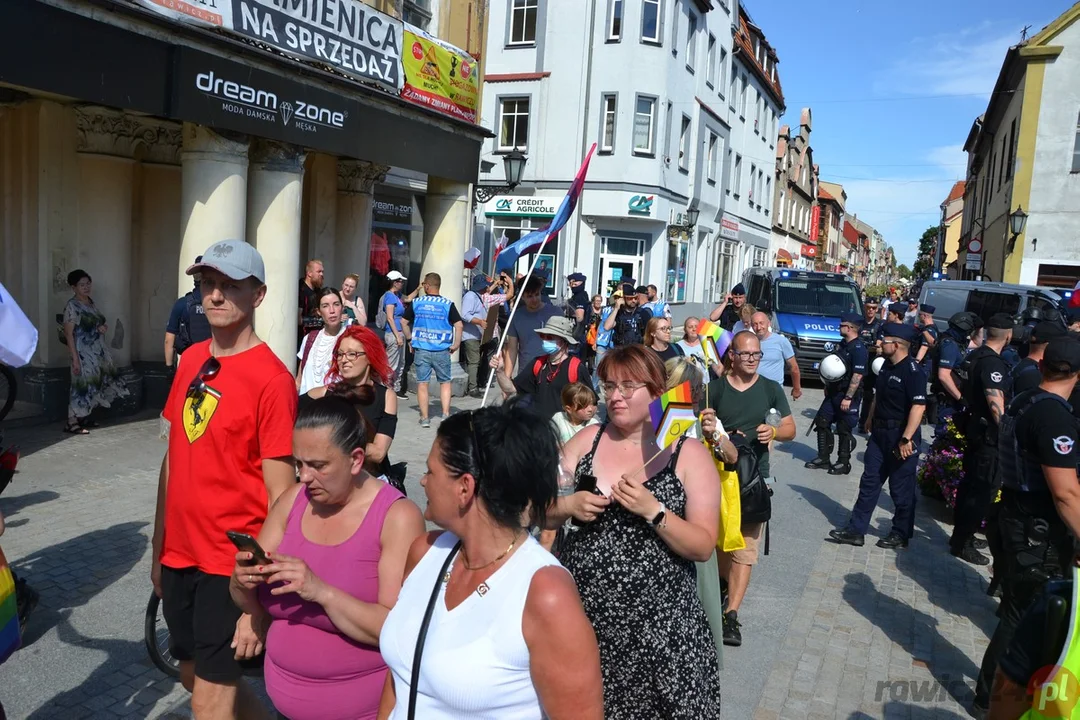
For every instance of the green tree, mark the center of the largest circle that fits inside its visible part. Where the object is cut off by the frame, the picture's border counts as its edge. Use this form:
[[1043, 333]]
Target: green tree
[[904, 272], [925, 262]]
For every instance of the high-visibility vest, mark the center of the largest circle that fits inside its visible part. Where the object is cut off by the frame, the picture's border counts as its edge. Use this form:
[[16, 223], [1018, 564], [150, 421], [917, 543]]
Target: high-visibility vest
[[1058, 696]]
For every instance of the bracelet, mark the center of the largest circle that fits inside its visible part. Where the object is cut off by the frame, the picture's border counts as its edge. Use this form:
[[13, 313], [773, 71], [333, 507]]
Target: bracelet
[[773, 433]]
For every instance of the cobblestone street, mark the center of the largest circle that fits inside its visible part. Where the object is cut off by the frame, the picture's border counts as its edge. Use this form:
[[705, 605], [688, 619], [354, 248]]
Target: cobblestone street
[[829, 631]]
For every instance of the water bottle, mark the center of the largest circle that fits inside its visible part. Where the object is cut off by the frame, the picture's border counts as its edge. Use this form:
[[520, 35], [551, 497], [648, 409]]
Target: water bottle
[[773, 418]]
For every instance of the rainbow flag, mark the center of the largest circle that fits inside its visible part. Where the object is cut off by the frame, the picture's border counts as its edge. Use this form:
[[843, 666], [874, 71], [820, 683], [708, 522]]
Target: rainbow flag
[[9, 612], [672, 414], [715, 340]]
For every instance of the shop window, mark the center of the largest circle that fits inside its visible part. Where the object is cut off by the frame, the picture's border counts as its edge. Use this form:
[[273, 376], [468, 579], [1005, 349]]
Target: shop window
[[513, 124], [675, 283], [725, 267], [645, 126], [608, 107], [523, 22], [650, 21], [392, 237], [615, 21]]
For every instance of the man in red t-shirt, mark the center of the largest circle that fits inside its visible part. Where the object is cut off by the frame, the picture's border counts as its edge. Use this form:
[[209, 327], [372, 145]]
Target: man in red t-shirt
[[230, 417]]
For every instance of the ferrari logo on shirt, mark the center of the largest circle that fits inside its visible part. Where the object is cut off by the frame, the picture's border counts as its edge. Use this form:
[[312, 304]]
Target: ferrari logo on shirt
[[1063, 444], [197, 413]]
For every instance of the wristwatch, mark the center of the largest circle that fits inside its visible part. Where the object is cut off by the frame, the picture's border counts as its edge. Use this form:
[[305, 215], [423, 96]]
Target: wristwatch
[[904, 440], [658, 520]]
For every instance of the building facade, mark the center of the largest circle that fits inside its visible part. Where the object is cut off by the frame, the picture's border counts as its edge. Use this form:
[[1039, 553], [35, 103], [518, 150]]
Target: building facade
[[794, 227], [656, 84], [1024, 153], [832, 201], [130, 154], [952, 216]]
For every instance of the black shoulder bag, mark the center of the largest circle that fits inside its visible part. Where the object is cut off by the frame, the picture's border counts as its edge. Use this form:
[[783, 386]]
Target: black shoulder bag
[[421, 636]]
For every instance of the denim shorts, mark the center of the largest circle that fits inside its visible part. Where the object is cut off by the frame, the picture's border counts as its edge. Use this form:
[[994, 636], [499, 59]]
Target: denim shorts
[[424, 361]]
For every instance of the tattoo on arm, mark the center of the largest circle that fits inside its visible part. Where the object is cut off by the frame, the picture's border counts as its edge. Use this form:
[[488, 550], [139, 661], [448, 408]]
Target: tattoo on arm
[[854, 385], [995, 398]]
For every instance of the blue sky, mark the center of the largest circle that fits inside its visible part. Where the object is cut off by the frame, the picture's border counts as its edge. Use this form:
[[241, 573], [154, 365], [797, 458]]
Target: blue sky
[[894, 88]]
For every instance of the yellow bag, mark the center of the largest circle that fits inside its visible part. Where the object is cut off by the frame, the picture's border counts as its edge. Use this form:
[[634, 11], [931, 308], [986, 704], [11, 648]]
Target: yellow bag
[[730, 537]]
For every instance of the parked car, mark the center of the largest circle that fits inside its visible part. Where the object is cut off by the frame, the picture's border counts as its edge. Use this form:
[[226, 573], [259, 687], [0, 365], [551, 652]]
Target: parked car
[[805, 307], [986, 298]]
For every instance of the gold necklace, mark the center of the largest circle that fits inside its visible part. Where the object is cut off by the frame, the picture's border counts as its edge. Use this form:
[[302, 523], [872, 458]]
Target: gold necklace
[[465, 560]]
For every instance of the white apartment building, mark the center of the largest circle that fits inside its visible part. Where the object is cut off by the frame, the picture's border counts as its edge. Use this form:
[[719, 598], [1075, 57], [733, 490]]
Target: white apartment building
[[651, 82]]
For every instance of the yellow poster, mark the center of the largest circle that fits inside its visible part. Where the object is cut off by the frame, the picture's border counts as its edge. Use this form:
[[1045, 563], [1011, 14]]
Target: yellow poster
[[439, 76]]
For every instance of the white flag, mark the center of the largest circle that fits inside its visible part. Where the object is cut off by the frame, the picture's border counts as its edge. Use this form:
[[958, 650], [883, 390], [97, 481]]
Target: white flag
[[18, 336]]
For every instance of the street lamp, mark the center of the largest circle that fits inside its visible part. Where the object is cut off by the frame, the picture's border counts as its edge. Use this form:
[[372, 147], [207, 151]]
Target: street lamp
[[1017, 220], [692, 214], [513, 169]]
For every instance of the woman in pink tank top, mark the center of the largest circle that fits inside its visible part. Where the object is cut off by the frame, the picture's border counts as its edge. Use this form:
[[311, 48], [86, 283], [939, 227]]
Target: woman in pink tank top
[[337, 543]]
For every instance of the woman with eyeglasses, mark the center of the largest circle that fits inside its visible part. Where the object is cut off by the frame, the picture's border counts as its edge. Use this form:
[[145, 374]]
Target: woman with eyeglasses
[[317, 349], [360, 371], [658, 338], [495, 622], [645, 515], [337, 544]]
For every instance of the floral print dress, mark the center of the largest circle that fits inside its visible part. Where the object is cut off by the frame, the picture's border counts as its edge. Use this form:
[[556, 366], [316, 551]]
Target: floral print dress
[[98, 383]]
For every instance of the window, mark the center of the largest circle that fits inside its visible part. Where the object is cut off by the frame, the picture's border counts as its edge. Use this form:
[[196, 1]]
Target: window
[[645, 126], [1076, 148], [730, 165], [1010, 167], [523, 22], [691, 42], [725, 268], [781, 206], [722, 83], [760, 257], [757, 113], [1001, 167], [607, 123], [734, 87], [753, 178], [650, 21], [513, 124], [668, 128], [684, 143], [417, 12], [768, 194], [737, 176], [615, 21], [675, 282], [710, 62], [742, 100], [514, 228], [710, 170]]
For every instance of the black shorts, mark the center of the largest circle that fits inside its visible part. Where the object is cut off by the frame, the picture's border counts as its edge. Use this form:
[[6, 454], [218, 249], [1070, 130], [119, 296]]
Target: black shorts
[[202, 619]]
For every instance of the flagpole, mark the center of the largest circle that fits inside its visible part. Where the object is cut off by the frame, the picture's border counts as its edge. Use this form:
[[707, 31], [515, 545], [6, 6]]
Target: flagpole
[[519, 291]]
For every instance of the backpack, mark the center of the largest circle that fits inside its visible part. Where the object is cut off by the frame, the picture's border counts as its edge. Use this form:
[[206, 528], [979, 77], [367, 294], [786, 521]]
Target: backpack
[[573, 371], [309, 342], [380, 316], [755, 495]]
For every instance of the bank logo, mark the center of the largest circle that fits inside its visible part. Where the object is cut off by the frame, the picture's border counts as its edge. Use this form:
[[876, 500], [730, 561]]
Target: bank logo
[[640, 204], [504, 204], [286, 110]]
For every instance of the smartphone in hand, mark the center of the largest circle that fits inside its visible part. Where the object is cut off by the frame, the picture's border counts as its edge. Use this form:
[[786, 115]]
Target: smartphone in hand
[[246, 543]]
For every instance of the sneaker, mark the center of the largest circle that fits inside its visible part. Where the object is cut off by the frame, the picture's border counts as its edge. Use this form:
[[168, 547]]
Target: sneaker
[[402, 395], [970, 555], [425, 422], [847, 537], [732, 629], [979, 543], [892, 541]]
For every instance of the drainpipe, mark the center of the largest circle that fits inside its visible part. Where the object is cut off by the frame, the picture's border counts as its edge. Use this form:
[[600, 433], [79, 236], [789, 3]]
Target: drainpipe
[[585, 122]]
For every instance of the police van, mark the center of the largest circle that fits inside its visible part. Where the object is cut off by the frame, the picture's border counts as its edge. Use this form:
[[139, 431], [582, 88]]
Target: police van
[[984, 299], [805, 307]]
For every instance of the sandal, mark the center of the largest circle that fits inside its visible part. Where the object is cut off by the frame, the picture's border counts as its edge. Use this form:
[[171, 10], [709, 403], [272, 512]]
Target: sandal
[[74, 428]]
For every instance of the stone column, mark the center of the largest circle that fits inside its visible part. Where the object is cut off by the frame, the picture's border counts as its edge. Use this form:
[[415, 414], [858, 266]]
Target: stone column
[[356, 182], [213, 196], [274, 206], [446, 232]]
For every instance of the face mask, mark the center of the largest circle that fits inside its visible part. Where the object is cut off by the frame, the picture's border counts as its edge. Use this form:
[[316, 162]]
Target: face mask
[[550, 347]]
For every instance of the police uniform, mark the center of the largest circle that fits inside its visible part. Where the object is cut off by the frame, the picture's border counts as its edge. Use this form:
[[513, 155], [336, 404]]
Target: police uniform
[[949, 352], [982, 371], [855, 357], [1026, 375], [900, 387], [922, 341], [870, 334], [1037, 431]]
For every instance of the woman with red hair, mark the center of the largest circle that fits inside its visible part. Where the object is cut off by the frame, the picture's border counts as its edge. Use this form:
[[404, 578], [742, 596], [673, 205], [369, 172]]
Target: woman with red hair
[[360, 372]]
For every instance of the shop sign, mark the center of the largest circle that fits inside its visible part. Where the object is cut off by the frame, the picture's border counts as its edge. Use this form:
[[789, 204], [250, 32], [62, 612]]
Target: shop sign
[[729, 228], [439, 76], [640, 205], [353, 38], [391, 210], [223, 94], [516, 206], [809, 251], [815, 221]]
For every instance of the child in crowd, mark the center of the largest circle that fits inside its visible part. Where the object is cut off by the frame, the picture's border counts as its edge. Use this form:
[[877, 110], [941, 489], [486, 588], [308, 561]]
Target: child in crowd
[[579, 411]]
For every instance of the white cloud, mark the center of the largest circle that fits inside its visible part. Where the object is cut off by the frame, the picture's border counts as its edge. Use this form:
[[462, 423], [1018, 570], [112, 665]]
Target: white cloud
[[899, 210], [950, 158], [956, 63]]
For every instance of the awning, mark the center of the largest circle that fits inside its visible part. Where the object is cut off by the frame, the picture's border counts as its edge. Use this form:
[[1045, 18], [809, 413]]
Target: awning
[[783, 257]]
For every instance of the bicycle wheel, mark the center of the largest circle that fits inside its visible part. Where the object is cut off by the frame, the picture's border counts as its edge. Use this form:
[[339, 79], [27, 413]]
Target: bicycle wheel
[[7, 390], [156, 637]]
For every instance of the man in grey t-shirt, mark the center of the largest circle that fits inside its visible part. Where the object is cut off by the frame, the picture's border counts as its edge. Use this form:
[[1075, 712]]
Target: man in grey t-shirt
[[523, 345], [777, 354]]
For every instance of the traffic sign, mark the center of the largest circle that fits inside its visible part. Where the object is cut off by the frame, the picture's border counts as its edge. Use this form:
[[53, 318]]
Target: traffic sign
[[974, 245]]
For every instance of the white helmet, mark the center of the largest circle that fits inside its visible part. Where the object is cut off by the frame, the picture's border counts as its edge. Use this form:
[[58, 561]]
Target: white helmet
[[832, 368], [879, 362]]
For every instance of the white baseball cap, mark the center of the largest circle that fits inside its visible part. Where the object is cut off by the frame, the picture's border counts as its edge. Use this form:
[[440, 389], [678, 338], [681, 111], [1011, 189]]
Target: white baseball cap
[[394, 276], [233, 258]]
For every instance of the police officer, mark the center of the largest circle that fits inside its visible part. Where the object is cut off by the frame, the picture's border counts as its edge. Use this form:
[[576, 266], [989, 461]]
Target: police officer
[[1039, 513], [985, 384], [871, 338], [841, 401], [1026, 374], [893, 451], [948, 352]]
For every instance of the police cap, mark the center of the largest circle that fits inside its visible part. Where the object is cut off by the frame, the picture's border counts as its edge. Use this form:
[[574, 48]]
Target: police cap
[[872, 300], [852, 319], [927, 308], [1063, 353], [1001, 321], [1046, 331], [738, 290], [899, 330], [964, 322], [576, 277]]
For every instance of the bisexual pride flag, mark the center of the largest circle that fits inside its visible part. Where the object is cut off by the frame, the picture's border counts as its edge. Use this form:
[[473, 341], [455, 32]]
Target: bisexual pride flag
[[508, 257], [672, 414]]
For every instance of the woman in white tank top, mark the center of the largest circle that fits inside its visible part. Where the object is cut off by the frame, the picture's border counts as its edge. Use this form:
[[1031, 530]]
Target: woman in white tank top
[[507, 637]]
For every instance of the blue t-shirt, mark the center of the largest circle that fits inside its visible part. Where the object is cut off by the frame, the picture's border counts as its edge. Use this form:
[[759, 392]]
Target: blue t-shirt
[[777, 351], [472, 307], [391, 298]]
